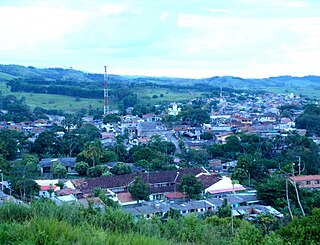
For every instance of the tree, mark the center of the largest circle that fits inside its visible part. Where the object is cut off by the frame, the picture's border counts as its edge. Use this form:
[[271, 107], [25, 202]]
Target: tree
[[109, 156], [121, 168], [46, 144], [233, 146], [50, 190], [111, 118], [94, 151], [194, 115], [142, 153], [224, 210], [58, 170], [158, 144], [273, 192], [241, 175], [197, 158], [26, 187], [207, 136], [304, 230], [4, 165], [139, 189], [97, 171], [73, 142], [60, 184], [173, 214], [91, 132], [190, 185], [8, 143], [81, 168], [215, 150]]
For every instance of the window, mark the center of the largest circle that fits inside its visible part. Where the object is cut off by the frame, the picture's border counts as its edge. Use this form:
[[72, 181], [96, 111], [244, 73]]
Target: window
[[308, 182], [317, 182]]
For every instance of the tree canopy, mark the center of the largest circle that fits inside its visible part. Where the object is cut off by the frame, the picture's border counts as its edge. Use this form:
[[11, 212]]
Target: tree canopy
[[139, 189]]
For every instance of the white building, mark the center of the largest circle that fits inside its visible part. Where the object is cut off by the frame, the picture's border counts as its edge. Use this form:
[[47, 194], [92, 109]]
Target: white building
[[174, 110]]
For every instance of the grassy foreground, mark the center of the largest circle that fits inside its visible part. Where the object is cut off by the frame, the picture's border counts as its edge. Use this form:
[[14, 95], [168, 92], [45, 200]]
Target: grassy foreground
[[30, 225], [43, 230]]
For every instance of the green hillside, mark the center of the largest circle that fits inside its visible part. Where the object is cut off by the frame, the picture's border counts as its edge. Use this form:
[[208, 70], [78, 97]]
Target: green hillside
[[70, 90]]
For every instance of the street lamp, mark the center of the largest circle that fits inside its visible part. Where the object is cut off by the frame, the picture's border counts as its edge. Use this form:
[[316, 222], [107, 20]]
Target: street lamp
[[1, 180]]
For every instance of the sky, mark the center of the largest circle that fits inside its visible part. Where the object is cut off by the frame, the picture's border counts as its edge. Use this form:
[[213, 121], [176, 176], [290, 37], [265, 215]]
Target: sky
[[173, 38]]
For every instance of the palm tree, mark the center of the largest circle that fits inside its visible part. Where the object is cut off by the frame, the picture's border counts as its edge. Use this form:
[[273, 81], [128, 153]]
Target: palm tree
[[94, 151]]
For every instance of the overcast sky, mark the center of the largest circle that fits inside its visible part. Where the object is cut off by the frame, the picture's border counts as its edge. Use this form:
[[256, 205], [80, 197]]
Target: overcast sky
[[181, 38]]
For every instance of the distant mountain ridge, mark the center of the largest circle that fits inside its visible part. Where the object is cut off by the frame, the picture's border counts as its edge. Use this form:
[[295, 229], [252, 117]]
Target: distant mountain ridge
[[9, 72]]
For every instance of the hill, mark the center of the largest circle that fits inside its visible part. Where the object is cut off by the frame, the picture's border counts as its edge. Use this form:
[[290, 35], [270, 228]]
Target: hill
[[51, 88]]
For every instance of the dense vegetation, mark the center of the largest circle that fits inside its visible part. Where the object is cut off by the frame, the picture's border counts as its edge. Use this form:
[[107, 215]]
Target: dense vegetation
[[45, 223]]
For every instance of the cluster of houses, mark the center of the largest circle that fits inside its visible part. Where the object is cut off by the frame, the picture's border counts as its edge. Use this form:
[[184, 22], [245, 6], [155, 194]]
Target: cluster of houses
[[165, 193], [244, 112], [257, 114]]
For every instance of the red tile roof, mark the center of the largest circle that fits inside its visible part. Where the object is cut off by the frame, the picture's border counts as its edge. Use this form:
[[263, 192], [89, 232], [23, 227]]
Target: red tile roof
[[125, 197], [173, 195], [108, 182], [208, 180], [306, 177]]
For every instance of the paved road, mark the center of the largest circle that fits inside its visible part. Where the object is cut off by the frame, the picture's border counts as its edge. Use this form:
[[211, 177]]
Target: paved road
[[169, 135]]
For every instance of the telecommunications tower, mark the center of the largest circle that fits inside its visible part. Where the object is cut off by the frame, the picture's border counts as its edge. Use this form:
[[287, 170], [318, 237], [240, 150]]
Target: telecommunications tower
[[106, 93]]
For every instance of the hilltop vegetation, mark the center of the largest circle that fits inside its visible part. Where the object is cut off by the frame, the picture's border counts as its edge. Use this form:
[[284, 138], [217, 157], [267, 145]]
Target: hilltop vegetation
[[88, 88]]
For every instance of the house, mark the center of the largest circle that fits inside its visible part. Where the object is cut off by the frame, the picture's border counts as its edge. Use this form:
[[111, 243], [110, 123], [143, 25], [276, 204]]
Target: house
[[161, 183], [68, 162], [68, 199], [244, 120], [307, 181], [243, 206], [251, 212], [96, 202], [48, 187], [222, 187], [268, 118], [151, 117]]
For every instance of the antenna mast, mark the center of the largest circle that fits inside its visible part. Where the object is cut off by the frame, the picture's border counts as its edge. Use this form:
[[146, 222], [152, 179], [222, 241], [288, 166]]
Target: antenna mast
[[106, 93]]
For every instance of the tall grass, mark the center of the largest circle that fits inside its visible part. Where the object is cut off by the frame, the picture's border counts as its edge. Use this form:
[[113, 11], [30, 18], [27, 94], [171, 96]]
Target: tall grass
[[42, 230], [45, 223]]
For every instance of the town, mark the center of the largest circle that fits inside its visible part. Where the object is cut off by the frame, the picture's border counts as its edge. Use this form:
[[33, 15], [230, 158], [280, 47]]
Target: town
[[162, 152]]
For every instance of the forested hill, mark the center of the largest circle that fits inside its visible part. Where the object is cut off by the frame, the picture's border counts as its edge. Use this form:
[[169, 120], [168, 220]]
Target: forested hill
[[66, 77]]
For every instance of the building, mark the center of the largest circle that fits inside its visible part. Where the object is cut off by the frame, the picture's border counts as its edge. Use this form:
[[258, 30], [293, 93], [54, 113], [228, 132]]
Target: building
[[174, 110], [307, 181], [161, 183], [68, 162]]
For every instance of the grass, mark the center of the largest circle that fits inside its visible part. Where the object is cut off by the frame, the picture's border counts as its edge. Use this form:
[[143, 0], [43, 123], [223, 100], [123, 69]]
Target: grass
[[53, 101], [168, 95], [6, 76], [41, 230], [71, 104], [45, 223], [310, 93]]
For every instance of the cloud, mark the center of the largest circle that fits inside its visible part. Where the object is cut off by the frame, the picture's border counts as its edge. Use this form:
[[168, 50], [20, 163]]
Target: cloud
[[257, 38], [27, 27], [221, 11], [164, 16], [279, 3]]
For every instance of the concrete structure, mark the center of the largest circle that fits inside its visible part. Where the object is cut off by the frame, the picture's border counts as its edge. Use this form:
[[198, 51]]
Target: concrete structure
[[307, 181]]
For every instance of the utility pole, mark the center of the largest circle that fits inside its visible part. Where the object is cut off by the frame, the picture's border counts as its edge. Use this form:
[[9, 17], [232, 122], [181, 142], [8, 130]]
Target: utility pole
[[299, 164], [1, 180], [288, 201], [296, 189]]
